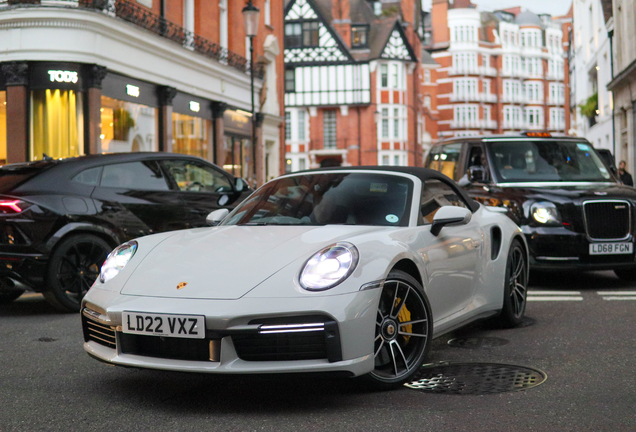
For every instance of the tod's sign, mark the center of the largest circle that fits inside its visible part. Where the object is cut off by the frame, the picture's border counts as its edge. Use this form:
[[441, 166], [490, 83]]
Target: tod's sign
[[63, 76]]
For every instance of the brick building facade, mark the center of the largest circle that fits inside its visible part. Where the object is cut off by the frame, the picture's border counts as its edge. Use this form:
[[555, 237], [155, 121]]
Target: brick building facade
[[500, 72], [352, 83]]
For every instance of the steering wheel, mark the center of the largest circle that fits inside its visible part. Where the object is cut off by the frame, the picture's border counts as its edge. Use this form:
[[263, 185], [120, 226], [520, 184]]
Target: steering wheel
[[194, 185]]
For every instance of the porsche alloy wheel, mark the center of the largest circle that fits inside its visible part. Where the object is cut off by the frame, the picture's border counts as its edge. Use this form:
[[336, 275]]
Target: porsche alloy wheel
[[73, 267], [403, 330], [516, 286]]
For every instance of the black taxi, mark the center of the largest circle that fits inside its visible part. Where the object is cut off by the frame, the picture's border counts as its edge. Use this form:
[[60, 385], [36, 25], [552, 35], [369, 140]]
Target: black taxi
[[572, 209]]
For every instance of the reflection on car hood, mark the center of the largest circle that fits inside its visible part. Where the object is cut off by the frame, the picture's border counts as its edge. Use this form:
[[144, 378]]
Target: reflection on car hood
[[227, 262]]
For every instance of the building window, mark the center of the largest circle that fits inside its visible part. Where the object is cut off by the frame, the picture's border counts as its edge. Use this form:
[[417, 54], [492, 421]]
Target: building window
[[359, 36], [290, 80], [385, 160], [385, 122], [396, 123], [310, 34], [301, 125], [427, 76], [191, 135], [329, 129], [396, 76], [127, 126], [302, 164], [288, 125], [57, 123], [293, 35], [427, 101], [384, 75], [288, 165]]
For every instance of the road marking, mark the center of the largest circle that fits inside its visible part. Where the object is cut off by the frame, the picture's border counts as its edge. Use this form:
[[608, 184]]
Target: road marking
[[617, 295], [534, 295]]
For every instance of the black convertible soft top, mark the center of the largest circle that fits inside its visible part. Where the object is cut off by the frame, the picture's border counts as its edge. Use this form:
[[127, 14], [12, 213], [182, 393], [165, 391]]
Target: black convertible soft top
[[422, 173]]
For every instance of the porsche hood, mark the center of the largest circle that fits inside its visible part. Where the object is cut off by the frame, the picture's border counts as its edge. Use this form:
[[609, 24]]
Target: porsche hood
[[225, 263]]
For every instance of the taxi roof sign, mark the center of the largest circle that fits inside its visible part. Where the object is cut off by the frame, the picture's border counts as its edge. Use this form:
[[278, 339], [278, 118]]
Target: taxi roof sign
[[537, 134]]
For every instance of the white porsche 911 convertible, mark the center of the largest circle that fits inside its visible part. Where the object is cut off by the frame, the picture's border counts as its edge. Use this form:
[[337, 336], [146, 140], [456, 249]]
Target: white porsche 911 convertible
[[351, 270]]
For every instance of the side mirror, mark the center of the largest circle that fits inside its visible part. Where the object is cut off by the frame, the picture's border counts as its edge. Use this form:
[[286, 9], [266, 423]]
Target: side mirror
[[450, 215], [216, 216], [476, 174], [240, 185]]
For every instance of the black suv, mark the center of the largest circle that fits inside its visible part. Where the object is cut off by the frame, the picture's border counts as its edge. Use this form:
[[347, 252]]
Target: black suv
[[567, 201], [59, 219]]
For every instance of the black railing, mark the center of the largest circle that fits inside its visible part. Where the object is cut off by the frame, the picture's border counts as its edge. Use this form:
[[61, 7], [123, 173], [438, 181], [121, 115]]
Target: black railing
[[154, 23]]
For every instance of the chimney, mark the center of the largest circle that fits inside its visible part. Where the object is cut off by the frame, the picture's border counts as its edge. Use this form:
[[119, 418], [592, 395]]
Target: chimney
[[439, 15], [340, 12]]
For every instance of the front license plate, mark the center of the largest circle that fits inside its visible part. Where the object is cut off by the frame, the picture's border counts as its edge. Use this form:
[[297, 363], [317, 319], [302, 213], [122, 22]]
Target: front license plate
[[611, 248], [181, 326]]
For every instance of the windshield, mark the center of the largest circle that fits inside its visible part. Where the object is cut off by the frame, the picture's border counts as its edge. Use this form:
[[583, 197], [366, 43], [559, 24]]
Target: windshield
[[545, 161], [331, 198]]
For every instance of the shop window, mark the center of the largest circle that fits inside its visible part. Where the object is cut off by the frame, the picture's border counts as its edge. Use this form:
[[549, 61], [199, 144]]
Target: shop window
[[237, 156], [190, 135], [56, 124], [127, 126], [3, 127]]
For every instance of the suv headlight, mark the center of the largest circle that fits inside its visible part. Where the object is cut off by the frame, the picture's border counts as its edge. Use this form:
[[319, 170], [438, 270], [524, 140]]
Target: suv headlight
[[545, 213], [117, 260], [328, 267]]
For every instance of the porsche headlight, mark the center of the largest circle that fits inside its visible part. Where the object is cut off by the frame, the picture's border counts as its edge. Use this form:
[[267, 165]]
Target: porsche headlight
[[117, 260], [328, 267], [545, 213]]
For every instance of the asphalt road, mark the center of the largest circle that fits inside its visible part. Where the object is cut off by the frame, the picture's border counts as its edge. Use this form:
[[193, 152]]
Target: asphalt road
[[579, 331]]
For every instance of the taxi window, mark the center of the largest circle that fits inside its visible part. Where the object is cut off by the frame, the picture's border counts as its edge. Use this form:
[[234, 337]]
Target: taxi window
[[437, 194], [445, 159]]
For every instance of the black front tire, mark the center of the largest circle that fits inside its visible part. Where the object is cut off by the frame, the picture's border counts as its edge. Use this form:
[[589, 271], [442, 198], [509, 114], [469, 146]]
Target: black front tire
[[515, 286], [403, 331], [627, 275], [73, 267]]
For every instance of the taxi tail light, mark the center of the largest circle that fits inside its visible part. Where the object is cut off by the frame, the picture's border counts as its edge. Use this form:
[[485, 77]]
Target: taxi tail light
[[12, 206]]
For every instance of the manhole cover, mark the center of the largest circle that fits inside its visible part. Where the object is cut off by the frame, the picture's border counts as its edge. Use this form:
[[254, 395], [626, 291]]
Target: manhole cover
[[476, 378], [480, 342]]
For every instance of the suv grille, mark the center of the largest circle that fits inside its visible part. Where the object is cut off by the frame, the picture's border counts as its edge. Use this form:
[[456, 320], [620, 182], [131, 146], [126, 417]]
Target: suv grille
[[607, 220]]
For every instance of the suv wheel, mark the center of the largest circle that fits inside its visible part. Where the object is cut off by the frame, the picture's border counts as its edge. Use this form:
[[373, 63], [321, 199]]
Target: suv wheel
[[73, 267]]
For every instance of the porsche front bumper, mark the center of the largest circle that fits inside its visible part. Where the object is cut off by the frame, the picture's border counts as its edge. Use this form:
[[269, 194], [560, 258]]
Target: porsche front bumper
[[339, 339]]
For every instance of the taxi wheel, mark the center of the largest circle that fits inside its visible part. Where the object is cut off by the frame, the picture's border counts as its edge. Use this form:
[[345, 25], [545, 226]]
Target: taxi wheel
[[73, 267], [516, 287], [403, 331], [627, 275]]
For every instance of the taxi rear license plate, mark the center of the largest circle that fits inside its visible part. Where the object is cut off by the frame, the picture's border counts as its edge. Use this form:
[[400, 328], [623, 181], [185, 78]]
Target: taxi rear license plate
[[167, 325], [611, 248]]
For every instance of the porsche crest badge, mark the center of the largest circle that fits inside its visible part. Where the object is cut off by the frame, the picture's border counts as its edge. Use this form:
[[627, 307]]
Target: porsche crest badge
[[181, 285]]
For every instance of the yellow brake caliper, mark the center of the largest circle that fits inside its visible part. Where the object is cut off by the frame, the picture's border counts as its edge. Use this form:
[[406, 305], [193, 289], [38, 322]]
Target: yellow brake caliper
[[404, 316]]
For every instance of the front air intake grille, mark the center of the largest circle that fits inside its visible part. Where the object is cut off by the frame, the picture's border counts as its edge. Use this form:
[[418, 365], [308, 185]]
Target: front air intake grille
[[289, 339], [165, 347], [100, 333], [607, 220], [281, 346]]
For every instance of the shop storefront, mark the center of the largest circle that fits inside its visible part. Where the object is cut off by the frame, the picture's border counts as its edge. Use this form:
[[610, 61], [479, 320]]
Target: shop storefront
[[56, 110], [237, 147], [192, 126], [129, 115]]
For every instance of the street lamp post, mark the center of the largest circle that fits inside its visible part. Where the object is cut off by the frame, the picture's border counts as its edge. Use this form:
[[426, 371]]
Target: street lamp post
[[250, 20]]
